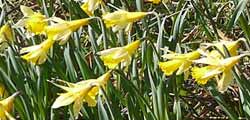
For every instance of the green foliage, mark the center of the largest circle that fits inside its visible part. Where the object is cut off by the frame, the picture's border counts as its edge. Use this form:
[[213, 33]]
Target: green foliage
[[140, 91]]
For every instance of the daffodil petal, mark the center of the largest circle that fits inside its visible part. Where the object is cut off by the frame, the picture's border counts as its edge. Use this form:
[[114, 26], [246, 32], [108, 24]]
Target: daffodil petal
[[120, 54], [30, 48], [231, 61], [225, 81], [63, 37], [77, 106], [63, 87], [27, 11], [108, 51], [8, 115], [211, 73], [64, 82], [184, 67], [57, 19], [64, 99], [208, 61]]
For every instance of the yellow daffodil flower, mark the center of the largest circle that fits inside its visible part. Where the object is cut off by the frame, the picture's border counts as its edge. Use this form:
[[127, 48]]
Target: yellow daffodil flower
[[122, 19], [155, 1], [180, 62], [5, 36], [37, 54], [63, 29], [34, 22], [6, 106], [90, 6], [83, 91], [216, 68], [230, 45], [112, 57]]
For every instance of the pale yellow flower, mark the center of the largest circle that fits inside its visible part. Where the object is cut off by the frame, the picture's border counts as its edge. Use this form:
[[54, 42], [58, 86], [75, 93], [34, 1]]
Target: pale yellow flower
[[83, 91], [231, 46], [121, 19], [155, 1], [90, 6], [112, 57], [62, 29], [178, 62], [5, 36], [220, 68], [37, 54], [6, 106], [34, 22]]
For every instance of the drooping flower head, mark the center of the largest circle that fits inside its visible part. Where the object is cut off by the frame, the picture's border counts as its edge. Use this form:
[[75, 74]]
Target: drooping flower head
[[83, 91], [6, 105], [90, 6], [218, 67], [5, 36], [178, 62], [112, 57], [121, 19], [37, 54], [231, 46], [63, 29], [34, 22]]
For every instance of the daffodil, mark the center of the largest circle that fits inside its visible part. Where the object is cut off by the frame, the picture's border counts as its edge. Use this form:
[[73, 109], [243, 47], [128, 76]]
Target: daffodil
[[37, 54], [83, 91], [34, 22], [220, 68], [230, 45], [112, 57], [62, 29], [155, 1], [178, 62], [6, 105], [122, 19], [90, 6], [5, 36]]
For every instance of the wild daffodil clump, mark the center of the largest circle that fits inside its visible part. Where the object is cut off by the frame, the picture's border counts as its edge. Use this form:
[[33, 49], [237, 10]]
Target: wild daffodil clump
[[217, 65], [102, 60]]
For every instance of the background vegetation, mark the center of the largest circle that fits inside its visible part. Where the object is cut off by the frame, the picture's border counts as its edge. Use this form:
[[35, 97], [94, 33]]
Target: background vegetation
[[140, 91]]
